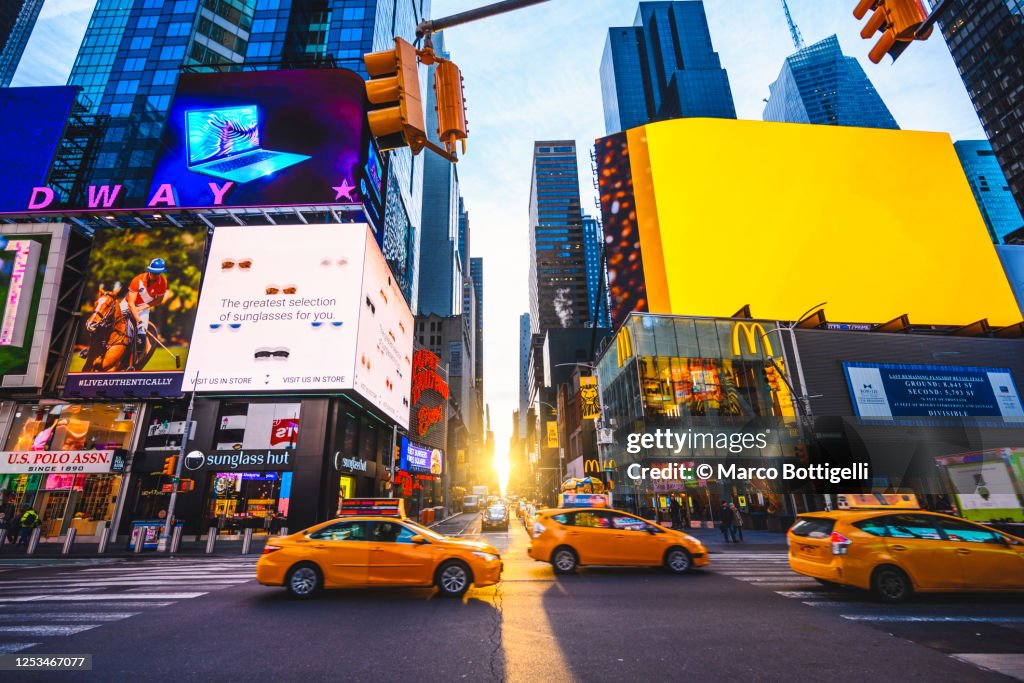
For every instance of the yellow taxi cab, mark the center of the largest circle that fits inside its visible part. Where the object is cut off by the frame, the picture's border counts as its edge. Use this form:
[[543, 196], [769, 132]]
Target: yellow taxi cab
[[375, 551], [572, 537], [895, 552]]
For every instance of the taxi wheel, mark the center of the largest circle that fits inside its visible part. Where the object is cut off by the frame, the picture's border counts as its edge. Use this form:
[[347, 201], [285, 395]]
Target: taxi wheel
[[453, 579], [678, 560], [891, 584], [304, 580], [564, 560]]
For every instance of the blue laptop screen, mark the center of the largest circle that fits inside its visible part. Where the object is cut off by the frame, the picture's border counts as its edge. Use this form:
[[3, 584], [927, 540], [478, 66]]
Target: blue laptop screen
[[218, 133]]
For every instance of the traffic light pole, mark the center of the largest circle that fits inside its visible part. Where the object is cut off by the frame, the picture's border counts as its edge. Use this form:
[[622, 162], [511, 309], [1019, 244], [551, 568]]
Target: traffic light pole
[[429, 26], [162, 541]]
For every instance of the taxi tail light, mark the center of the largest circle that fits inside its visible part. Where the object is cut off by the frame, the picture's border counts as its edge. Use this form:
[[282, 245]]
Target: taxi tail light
[[267, 549], [538, 529], [840, 543]]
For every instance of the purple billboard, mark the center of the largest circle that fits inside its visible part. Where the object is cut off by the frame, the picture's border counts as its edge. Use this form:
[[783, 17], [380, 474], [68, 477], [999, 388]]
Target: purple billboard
[[260, 138]]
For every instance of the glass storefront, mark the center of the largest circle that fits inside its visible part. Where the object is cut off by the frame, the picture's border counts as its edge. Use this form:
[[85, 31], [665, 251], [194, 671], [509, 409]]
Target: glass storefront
[[248, 500], [64, 460]]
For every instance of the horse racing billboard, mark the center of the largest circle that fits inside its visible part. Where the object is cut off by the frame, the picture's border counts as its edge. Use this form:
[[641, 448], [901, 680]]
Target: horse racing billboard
[[138, 311]]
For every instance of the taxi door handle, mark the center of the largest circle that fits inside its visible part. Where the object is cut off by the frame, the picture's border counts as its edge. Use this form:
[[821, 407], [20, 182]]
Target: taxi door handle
[[320, 545], [898, 547], [963, 551], [574, 533], [376, 547], [620, 536]]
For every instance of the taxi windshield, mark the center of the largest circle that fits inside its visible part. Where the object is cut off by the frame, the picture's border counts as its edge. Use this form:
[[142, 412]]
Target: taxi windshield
[[424, 531], [496, 511]]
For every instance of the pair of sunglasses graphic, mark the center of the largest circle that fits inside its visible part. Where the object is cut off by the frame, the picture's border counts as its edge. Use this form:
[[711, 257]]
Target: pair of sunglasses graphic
[[217, 326], [262, 354], [333, 323], [340, 262], [276, 289], [243, 264]]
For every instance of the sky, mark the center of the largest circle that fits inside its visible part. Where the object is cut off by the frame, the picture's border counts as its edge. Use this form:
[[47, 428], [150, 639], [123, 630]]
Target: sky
[[534, 75]]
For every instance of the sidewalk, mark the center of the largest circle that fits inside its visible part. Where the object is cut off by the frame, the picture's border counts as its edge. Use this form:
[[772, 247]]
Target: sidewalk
[[753, 541]]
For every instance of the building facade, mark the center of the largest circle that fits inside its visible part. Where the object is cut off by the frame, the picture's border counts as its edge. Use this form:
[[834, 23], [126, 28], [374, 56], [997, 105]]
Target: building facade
[[821, 85], [524, 374], [995, 201], [597, 290], [134, 50], [17, 19], [985, 38], [476, 270], [663, 67]]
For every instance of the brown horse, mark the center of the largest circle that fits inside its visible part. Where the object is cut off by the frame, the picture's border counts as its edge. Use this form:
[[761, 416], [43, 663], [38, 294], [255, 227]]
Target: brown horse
[[109, 339]]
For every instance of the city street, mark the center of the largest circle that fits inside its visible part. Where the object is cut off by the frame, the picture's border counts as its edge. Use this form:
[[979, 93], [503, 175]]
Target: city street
[[205, 618]]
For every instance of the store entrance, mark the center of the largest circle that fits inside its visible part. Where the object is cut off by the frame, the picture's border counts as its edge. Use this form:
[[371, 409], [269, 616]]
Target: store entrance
[[248, 500]]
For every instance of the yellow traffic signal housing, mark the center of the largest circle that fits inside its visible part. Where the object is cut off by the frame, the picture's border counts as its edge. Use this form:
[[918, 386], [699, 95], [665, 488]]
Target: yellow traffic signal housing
[[451, 106], [170, 465], [897, 20], [398, 120]]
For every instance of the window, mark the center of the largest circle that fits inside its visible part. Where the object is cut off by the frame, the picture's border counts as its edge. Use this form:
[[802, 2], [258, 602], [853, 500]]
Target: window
[[875, 527], [629, 523], [342, 531], [391, 532], [813, 527], [592, 520], [140, 43], [562, 518], [965, 532], [172, 53], [913, 526]]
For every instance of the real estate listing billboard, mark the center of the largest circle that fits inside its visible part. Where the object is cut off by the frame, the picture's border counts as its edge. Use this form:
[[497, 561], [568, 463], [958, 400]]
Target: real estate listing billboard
[[258, 138], [138, 311], [309, 308], [781, 216]]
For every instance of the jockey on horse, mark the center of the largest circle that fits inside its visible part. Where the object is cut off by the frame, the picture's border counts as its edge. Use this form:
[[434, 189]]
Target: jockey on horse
[[146, 290]]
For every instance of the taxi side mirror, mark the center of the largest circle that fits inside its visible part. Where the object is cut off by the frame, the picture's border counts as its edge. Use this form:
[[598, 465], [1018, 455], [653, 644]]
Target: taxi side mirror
[[419, 540]]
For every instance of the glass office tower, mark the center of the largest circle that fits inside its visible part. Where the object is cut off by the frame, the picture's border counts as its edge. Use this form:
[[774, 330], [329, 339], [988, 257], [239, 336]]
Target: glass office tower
[[17, 18], [597, 293], [476, 272], [663, 67], [821, 85], [134, 50], [990, 188]]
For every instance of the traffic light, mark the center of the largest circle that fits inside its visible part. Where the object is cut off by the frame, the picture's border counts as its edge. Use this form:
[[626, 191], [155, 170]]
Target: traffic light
[[170, 465], [394, 88], [186, 485], [771, 377], [451, 106], [897, 20]]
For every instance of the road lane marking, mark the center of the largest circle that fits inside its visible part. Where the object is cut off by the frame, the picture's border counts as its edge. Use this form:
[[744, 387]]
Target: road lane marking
[[1007, 664], [68, 616], [47, 630], [104, 596], [11, 648], [940, 619]]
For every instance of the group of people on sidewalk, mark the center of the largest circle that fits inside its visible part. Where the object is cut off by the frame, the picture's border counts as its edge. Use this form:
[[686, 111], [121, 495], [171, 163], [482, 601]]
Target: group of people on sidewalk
[[19, 527], [731, 523]]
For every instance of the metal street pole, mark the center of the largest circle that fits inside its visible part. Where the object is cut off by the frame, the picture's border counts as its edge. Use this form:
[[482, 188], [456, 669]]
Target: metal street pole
[[394, 444], [428, 26], [162, 541]]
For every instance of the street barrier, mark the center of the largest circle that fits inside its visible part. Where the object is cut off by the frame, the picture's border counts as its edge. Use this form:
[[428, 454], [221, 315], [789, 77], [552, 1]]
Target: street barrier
[[246, 541], [104, 538], [69, 541], [33, 541], [175, 538], [211, 539], [284, 531]]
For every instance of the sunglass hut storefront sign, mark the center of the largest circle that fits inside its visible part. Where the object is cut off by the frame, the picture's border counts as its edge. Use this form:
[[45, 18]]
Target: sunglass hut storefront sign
[[239, 460]]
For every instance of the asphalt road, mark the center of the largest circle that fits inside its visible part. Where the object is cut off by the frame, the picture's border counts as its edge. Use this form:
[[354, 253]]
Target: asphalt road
[[748, 618]]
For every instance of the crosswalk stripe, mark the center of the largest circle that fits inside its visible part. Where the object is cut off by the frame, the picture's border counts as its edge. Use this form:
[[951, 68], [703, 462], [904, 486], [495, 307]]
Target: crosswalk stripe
[[42, 631], [68, 616], [105, 596], [11, 648], [1011, 664], [803, 594], [915, 618], [5, 609]]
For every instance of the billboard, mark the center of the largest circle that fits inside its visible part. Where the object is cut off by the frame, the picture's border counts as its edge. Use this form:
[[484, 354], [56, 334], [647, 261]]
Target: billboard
[[34, 120], [420, 459], [886, 391], [780, 216], [138, 311], [428, 413], [259, 138], [31, 263], [310, 308]]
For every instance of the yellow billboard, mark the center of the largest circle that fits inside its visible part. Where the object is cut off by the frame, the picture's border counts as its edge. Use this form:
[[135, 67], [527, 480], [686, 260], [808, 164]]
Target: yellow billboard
[[878, 223]]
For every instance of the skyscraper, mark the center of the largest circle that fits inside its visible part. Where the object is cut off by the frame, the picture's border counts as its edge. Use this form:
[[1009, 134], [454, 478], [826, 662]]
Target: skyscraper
[[821, 85], [597, 291], [476, 272], [986, 39], [663, 67], [558, 273], [134, 50], [524, 371], [441, 271], [17, 18], [990, 189]]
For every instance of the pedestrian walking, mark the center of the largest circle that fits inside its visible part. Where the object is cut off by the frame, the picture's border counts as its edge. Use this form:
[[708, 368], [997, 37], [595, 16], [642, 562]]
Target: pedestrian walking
[[13, 526], [737, 522], [726, 521], [675, 512], [29, 521]]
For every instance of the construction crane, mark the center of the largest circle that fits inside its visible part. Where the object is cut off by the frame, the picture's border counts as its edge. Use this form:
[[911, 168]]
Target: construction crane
[[798, 39]]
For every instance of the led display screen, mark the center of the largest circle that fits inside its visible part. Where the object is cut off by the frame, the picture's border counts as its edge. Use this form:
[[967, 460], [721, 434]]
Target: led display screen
[[33, 124]]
